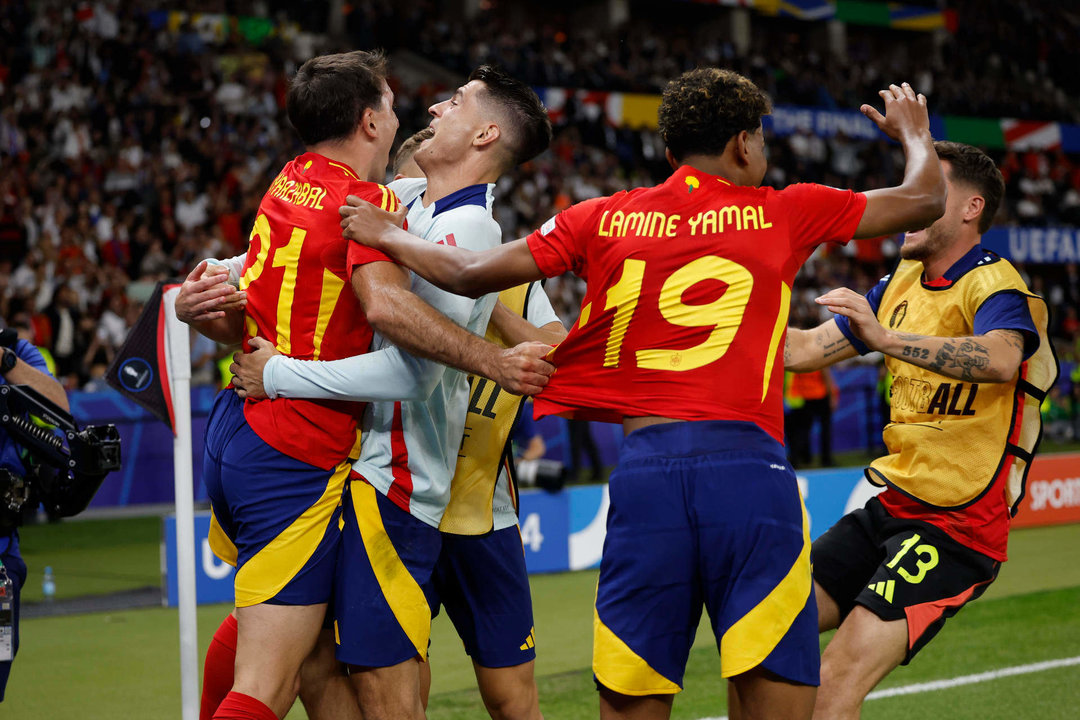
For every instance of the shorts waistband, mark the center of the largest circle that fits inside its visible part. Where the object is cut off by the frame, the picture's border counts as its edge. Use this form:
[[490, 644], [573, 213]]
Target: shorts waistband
[[700, 437]]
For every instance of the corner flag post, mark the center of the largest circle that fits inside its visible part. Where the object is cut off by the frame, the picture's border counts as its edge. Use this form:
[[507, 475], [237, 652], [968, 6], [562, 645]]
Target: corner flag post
[[178, 346]]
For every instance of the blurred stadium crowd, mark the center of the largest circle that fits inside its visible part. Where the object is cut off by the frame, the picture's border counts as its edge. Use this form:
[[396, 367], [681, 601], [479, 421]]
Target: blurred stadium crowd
[[132, 146]]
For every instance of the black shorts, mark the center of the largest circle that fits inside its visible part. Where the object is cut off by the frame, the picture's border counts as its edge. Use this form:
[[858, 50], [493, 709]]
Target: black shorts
[[899, 569]]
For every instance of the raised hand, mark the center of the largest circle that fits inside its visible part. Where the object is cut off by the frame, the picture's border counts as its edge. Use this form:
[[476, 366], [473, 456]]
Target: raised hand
[[905, 112], [363, 222], [206, 294], [247, 368], [523, 369]]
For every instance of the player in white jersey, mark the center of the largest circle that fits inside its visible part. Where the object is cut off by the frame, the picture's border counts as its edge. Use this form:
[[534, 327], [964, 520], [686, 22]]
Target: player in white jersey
[[409, 451]]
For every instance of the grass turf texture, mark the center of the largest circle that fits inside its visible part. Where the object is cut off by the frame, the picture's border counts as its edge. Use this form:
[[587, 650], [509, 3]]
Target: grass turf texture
[[126, 664]]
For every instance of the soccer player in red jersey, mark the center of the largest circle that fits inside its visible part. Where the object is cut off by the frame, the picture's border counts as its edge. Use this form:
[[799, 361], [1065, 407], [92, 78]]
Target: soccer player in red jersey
[[679, 338], [966, 343], [275, 469]]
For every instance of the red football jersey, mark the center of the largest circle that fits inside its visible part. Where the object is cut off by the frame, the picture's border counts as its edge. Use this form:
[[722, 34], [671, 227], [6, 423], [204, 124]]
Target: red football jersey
[[689, 285], [297, 278]]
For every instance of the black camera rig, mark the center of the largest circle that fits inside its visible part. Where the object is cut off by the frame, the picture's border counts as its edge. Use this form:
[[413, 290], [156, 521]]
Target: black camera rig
[[66, 465]]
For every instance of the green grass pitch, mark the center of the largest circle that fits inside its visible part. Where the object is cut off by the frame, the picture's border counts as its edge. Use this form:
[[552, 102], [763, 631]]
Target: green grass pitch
[[126, 664]]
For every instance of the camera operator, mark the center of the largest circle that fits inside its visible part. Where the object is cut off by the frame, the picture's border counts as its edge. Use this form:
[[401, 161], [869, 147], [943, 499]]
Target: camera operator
[[20, 364]]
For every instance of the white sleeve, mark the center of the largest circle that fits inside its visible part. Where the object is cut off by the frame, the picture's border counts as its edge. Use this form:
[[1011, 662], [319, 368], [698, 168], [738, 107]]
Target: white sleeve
[[386, 374], [235, 266], [539, 311]]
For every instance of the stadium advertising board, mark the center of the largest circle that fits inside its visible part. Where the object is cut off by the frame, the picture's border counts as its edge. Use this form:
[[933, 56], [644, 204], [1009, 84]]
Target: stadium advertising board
[[1034, 244], [213, 578], [1052, 496]]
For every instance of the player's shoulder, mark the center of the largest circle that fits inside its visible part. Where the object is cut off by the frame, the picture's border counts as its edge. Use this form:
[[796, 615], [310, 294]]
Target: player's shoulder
[[408, 189], [470, 226]]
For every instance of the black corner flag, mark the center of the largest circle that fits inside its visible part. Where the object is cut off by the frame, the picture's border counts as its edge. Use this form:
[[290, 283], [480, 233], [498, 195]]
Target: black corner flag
[[140, 369]]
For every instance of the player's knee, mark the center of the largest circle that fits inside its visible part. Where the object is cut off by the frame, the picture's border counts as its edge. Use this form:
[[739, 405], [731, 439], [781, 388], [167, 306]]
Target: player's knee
[[518, 703]]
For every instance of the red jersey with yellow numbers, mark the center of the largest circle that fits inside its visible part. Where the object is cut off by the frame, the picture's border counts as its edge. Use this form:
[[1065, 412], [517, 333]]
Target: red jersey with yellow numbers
[[297, 278], [689, 285]]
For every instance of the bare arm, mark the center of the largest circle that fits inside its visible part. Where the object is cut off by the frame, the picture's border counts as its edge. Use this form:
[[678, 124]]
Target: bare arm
[[25, 374], [920, 199], [809, 350], [414, 326], [514, 329], [455, 269], [992, 357]]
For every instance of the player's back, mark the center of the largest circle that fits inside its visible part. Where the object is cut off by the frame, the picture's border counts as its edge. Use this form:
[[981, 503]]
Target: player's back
[[689, 285], [296, 276]]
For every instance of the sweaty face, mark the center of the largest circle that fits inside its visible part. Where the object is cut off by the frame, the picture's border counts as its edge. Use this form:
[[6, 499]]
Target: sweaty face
[[924, 244], [456, 122]]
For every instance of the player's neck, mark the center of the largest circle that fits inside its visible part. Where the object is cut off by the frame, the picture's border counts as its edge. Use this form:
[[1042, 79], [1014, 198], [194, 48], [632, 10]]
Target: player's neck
[[937, 266], [719, 165], [353, 155], [443, 179]]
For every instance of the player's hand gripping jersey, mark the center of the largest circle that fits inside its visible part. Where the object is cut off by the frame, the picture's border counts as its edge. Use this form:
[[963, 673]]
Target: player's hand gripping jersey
[[297, 276], [689, 289]]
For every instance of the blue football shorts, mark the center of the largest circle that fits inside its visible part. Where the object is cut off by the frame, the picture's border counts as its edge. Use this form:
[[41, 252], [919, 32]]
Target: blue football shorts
[[482, 582], [276, 519], [385, 584], [703, 513]]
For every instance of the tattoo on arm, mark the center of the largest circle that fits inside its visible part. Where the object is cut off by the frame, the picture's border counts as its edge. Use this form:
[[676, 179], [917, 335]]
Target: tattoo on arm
[[1015, 338], [832, 347], [969, 357]]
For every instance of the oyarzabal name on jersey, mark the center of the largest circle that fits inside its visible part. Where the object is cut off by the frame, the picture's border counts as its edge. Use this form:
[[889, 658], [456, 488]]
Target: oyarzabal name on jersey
[[707, 222], [297, 193]]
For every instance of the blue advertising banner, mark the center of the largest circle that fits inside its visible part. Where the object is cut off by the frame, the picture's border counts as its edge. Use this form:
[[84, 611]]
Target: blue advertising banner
[[213, 578], [1034, 244], [545, 530]]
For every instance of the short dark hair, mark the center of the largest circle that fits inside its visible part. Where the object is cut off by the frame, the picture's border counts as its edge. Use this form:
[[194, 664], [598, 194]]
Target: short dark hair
[[408, 149], [702, 109], [329, 94], [527, 127], [972, 167]]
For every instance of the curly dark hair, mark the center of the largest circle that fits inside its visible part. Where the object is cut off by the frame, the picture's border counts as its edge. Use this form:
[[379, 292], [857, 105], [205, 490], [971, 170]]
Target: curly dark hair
[[329, 94], [972, 167], [703, 109]]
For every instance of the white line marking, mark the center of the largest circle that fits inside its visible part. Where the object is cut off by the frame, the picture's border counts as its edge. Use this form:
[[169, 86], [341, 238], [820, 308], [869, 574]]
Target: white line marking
[[963, 680], [972, 679]]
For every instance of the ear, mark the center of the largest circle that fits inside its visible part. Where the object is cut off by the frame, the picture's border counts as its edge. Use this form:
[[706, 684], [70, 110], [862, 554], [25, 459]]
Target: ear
[[367, 124], [487, 135], [671, 160], [742, 147], [974, 208]]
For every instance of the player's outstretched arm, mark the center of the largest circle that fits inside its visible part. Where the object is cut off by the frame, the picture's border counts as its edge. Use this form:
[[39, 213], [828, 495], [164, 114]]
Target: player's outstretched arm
[[211, 305], [514, 329], [402, 317], [457, 270], [992, 357], [920, 199], [809, 350]]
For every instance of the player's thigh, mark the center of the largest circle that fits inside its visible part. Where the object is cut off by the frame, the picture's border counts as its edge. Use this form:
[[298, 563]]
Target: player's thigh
[[275, 518], [845, 557], [925, 578], [761, 695], [755, 565], [648, 599], [864, 650], [391, 692], [384, 591], [484, 586]]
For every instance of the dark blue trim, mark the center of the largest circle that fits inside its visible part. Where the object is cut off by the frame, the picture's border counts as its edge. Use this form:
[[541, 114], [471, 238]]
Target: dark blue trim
[[974, 258], [472, 195]]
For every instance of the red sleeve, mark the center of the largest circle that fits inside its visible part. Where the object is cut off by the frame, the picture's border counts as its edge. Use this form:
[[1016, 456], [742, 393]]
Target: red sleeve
[[819, 214], [559, 245], [383, 198]]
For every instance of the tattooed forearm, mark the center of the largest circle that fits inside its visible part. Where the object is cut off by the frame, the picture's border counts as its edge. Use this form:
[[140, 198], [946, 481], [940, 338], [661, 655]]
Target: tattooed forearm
[[1014, 337], [968, 357]]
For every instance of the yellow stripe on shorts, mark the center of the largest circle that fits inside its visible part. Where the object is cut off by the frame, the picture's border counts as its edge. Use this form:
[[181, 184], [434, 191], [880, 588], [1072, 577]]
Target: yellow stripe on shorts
[[264, 575], [619, 668], [402, 592], [749, 641], [220, 543]]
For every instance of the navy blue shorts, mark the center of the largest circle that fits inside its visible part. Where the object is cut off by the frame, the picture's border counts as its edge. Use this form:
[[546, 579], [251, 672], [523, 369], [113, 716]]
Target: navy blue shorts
[[385, 584], [16, 570], [703, 513], [276, 519], [482, 582]]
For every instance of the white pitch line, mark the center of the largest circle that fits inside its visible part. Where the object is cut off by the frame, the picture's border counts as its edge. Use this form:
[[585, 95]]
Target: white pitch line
[[963, 680]]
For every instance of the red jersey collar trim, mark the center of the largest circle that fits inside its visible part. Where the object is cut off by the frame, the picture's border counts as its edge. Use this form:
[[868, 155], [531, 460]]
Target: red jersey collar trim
[[687, 175], [308, 159]]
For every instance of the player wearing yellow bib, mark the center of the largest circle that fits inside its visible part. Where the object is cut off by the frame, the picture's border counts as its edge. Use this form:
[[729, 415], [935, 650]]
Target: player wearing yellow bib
[[966, 344]]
